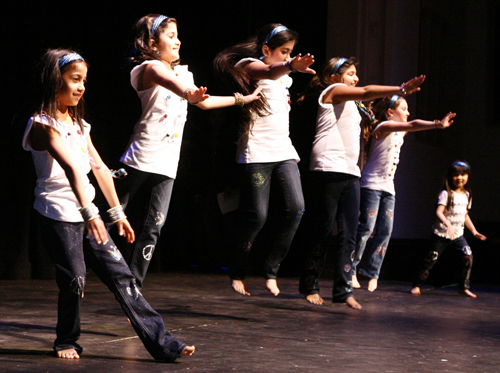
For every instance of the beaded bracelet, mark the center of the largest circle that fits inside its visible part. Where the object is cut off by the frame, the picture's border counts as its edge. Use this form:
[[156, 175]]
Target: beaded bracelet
[[239, 99], [116, 214], [288, 64], [89, 212]]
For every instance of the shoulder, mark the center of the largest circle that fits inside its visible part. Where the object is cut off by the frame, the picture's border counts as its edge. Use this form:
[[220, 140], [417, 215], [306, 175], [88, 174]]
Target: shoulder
[[328, 92], [443, 198]]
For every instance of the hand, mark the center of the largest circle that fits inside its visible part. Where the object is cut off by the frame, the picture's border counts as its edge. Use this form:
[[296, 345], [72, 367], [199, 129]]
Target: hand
[[196, 95], [450, 232], [125, 229], [97, 230], [253, 97], [446, 122], [412, 85], [482, 237], [302, 64]]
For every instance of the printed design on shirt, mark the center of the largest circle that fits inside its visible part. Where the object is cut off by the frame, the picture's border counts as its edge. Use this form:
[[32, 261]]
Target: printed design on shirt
[[172, 123], [115, 253], [257, 179], [77, 285], [160, 218], [147, 252]]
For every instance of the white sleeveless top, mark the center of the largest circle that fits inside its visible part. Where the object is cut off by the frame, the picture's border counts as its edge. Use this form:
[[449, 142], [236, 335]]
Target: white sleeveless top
[[54, 197], [269, 137], [155, 144], [336, 144]]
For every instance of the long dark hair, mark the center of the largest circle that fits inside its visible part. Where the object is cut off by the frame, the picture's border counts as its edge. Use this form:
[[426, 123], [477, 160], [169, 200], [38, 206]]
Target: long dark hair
[[52, 82], [142, 49], [457, 168], [239, 80]]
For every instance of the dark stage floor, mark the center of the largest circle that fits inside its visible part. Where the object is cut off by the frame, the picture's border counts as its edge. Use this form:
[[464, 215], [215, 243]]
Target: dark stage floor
[[394, 332]]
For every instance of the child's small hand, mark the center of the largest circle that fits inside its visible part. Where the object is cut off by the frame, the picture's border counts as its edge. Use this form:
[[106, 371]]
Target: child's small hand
[[482, 237], [450, 232], [302, 64], [447, 120], [124, 229], [254, 96], [196, 95], [412, 85]]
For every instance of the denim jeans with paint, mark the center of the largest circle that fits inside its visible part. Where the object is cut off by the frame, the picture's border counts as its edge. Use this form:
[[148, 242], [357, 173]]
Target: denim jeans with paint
[[376, 209], [254, 201], [154, 215], [334, 198], [72, 252], [438, 246]]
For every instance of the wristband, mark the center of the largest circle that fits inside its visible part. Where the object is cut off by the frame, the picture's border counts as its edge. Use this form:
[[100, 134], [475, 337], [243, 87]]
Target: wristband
[[116, 214], [89, 212], [239, 99]]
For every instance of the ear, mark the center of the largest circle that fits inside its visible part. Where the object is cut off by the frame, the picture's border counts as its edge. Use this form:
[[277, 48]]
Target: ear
[[390, 113], [266, 50], [334, 78]]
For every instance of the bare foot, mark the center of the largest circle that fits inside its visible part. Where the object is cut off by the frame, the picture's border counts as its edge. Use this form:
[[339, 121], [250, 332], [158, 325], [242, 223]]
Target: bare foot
[[239, 287], [315, 299], [188, 351], [372, 284], [351, 302], [468, 293], [272, 286], [68, 354], [415, 291], [355, 282]]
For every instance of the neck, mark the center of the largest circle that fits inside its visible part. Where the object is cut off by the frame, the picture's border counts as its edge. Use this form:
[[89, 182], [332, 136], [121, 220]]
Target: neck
[[168, 65], [63, 115]]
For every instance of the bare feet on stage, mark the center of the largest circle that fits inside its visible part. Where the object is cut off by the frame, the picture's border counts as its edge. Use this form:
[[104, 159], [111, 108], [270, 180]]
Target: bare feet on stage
[[415, 291], [272, 287], [188, 351], [68, 354], [355, 282], [239, 287], [351, 302], [468, 293], [315, 299], [372, 284]]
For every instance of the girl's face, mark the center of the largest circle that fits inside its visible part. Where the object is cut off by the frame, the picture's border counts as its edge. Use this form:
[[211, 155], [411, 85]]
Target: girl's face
[[401, 113], [74, 79], [349, 77], [460, 180], [279, 54], [168, 43]]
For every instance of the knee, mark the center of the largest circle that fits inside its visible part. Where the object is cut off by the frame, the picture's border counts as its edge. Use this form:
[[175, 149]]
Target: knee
[[432, 257]]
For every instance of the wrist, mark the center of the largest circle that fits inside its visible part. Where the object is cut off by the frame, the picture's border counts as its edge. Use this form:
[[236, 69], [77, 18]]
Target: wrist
[[288, 64], [438, 123], [403, 90], [186, 96], [239, 100], [116, 214], [89, 212]]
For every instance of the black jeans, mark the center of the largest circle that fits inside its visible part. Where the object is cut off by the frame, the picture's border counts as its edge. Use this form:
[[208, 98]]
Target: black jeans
[[438, 246], [335, 197], [71, 253]]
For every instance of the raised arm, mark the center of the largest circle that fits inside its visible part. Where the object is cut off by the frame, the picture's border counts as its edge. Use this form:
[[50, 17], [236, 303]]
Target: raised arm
[[275, 71], [415, 125], [106, 183]]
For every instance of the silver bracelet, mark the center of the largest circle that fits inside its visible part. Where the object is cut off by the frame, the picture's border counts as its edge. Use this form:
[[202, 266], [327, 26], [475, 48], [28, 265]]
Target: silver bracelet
[[116, 214], [89, 212]]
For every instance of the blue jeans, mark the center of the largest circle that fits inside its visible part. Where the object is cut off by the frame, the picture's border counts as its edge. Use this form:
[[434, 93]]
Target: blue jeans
[[335, 198], [438, 246], [71, 253], [159, 189], [254, 202], [377, 208]]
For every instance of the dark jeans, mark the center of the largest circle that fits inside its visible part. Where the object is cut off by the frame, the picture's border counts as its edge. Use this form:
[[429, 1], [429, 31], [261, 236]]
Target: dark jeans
[[334, 197], [377, 209], [159, 189], [254, 202], [438, 246], [71, 254]]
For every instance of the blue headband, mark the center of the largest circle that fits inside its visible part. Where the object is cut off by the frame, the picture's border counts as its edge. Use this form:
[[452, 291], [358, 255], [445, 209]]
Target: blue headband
[[339, 63], [393, 101], [275, 31], [461, 164], [156, 24], [70, 57]]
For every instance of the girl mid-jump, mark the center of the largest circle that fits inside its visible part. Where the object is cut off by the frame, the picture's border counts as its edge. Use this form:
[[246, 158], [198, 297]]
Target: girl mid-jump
[[378, 195]]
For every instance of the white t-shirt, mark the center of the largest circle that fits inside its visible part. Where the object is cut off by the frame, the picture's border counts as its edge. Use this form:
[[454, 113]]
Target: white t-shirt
[[456, 215], [336, 144], [383, 160], [54, 197], [269, 137], [155, 144]]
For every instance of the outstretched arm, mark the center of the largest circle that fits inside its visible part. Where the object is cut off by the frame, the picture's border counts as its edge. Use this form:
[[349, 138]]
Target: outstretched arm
[[106, 183], [415, 125], [217, 102], [472, 228], [275, 71], [343, 93]]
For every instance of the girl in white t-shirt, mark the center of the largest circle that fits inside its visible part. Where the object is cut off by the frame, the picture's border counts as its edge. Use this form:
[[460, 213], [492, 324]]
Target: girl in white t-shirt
[[151, 158], [335, 174], [264, 145], [73, 232], [452, 213], [378, 195]]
